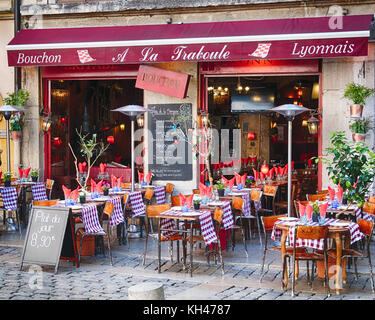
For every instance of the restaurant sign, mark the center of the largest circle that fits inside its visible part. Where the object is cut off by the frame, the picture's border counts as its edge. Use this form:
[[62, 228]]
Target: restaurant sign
[[167, 82], [95, 54]]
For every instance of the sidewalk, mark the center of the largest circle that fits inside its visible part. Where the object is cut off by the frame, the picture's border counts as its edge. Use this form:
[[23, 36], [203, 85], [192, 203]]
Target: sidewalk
[[96, 279]]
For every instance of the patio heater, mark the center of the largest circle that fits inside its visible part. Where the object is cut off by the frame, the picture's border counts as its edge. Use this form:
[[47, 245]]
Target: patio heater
[[132, 111], [289, 111], [7, 111]]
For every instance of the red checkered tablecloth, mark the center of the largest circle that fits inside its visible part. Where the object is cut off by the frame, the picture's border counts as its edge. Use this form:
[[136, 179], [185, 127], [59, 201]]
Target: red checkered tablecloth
[[160, 194], [355, 234], [205, 219], [363, 215], [39, 191], [227, 215], [9, 195], [91, 220], [117, 215], [136, 203]]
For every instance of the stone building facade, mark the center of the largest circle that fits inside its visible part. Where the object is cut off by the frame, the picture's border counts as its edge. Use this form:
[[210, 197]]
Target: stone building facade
[[335, 72]]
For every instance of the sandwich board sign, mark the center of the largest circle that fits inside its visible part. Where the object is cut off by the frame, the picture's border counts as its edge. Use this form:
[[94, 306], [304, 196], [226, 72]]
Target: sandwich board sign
[[45, 235]]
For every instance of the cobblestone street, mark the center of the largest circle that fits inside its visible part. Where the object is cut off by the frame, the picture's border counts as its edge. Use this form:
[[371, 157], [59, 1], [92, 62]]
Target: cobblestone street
[[96, 279]]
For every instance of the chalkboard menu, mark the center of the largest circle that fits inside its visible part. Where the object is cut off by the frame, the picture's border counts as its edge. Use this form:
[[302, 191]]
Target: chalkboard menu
[[45, 235], [170, 157]]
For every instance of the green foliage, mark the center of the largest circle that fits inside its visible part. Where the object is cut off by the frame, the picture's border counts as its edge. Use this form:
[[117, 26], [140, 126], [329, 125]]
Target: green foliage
[[17, 99], [352, 166], [7, 176], [357, 93], [197, 201], [16, 122], [34, 173], [360, 125], [220, 185]]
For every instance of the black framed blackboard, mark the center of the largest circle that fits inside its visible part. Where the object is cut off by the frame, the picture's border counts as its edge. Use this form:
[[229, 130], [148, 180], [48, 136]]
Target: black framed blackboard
[[45, 235], [170, 157]]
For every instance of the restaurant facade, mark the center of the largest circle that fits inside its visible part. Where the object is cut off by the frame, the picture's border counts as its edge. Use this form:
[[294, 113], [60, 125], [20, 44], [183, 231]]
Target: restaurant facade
[[231, 62]]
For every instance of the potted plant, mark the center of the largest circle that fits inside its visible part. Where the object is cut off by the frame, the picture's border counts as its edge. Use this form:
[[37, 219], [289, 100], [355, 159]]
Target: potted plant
[[220, 187], [357, 94], [249, 180], [17, 99], [105, 189], [7, 179], [34, 175], [197, 204], [359, 128], [315, 213], [82, 197], [350, 164]]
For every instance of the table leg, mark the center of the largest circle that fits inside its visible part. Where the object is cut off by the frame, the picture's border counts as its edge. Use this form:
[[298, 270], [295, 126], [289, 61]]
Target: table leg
[[345, 260], [184, 243], [338, 261], [159, 246], [282, 245], [191, 249]]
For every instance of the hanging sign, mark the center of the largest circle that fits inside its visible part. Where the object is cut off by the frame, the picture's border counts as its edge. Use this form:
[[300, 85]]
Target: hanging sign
[[167, 82]]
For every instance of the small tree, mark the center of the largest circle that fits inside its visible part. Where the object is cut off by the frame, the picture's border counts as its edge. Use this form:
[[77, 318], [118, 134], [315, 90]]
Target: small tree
[[91, 150], [352, 166]]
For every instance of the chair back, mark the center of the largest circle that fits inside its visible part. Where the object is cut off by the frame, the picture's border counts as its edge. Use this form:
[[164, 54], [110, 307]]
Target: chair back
[[108, 209], [316, 197], [270, 191], [311, 232], [218, 214], [149, 193], [268, 222], [237, 203], [326, 192], [175, 200], [155, 209], [169, 188], [369, 207], [366, 227], [196, 191], [256, 195], [371, 199], [46, 203], [125, 185]]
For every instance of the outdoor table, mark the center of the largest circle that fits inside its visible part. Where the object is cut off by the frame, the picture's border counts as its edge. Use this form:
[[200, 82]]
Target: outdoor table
[[200, 216], [348, 230]]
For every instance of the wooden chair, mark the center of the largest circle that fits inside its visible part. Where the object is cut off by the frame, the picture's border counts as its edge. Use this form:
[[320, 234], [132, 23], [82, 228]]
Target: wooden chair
[[151, 212], [196, 191], [122, 228], [269, 198], [168, 192], [283, 205], [46, 203], [237, 207], [326, 192], [316, 197], [371, 199], [369, 207], [125, 185], [107, 212], [49, 187], [267, 226], [148, 196], [255, 198], [309, 233], [367, 228]]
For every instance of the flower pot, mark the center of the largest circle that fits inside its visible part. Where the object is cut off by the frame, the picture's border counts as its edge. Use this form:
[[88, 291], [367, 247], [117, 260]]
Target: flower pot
[[315, 218], [356, 110], [82, 200], [16, 135], [197, 206], [34, 179], [105, 192], [220, 192], [6, 183], [358, 137]]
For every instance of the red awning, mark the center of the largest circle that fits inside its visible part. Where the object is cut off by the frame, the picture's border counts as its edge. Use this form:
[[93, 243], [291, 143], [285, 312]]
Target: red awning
[[214, 41]]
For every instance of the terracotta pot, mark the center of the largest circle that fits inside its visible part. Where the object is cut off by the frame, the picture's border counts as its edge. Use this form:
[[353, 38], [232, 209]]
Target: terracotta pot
[[16, 135], [356, 110], [358, 137]]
